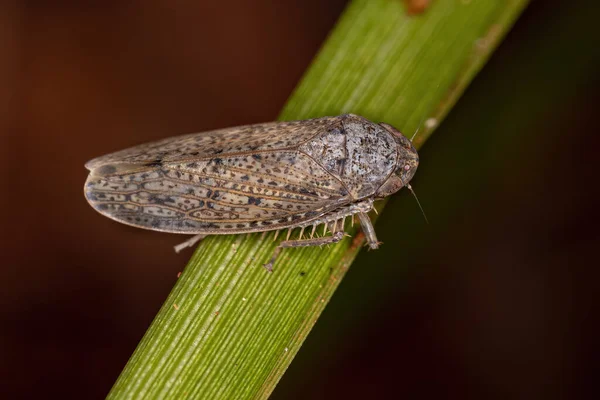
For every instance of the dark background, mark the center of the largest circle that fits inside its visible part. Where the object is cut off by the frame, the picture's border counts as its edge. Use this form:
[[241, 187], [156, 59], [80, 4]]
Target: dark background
[[496, 297]]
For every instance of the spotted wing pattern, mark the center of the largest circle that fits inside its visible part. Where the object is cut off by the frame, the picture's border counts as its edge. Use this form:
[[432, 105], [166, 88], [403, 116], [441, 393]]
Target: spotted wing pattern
[[243, 139], [228, 191]]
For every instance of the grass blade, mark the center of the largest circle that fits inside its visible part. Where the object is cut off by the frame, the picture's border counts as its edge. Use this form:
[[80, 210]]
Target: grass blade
[[229, 329]]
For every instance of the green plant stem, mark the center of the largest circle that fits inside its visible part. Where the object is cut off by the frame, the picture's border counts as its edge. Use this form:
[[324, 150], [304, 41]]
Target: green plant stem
[[229, 329]]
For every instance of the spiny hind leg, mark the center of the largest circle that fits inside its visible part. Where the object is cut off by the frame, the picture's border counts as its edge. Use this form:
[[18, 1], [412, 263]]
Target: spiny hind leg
[[190, 242], [336, 236], [369, 231]]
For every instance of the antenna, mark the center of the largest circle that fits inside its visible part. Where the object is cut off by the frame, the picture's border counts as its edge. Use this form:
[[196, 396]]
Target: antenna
[[417, 199], [418, 127], [421, 123]]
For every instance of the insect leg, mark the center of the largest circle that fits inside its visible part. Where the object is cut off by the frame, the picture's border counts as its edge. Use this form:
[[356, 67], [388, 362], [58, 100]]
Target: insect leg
[[190, 242], [336, 237], [368, 230]]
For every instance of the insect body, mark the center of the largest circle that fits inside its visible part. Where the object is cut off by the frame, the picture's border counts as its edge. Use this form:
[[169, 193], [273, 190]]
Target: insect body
[[256, 178]]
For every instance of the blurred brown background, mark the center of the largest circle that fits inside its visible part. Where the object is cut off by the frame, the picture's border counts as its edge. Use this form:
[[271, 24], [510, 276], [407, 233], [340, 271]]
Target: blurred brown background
[[495, 298]]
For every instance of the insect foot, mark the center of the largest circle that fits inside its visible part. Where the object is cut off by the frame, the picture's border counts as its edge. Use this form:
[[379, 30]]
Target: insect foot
[[189, 243], [336, 237]]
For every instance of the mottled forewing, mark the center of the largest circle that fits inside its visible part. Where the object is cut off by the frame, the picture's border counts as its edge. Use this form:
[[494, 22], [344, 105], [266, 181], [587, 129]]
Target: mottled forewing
[[235, 189], [248, 138]]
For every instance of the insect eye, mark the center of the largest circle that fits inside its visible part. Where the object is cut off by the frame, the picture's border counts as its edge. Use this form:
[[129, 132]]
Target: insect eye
[[406, 167]]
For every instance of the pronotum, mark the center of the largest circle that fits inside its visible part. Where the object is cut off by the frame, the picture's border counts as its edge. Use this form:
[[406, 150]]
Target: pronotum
[[256, 178]]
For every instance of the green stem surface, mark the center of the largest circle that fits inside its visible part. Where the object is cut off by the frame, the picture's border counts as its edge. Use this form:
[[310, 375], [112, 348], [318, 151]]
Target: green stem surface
[[229, 329]]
